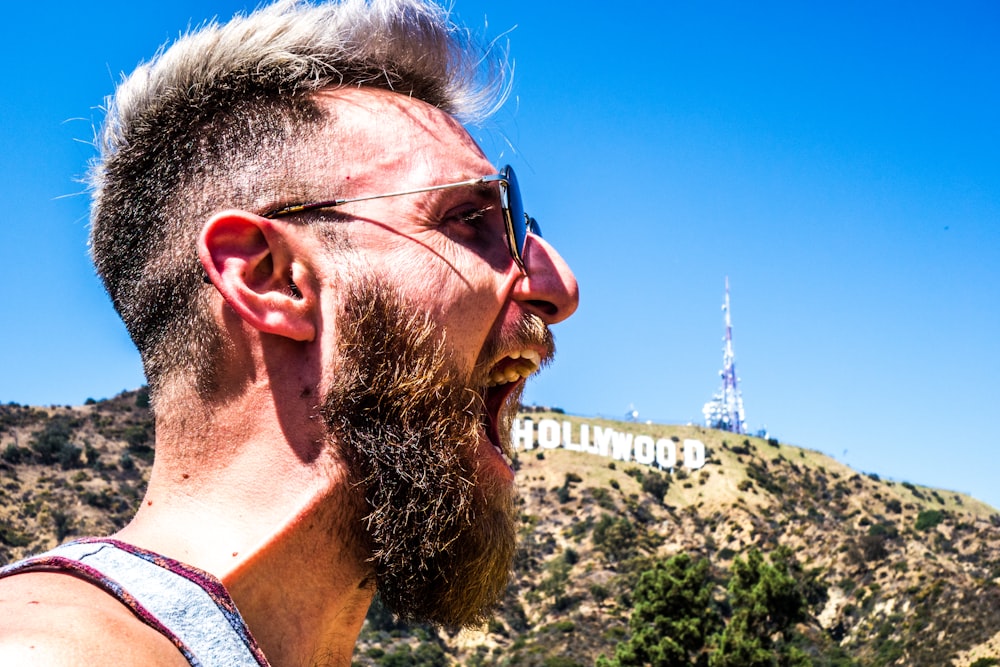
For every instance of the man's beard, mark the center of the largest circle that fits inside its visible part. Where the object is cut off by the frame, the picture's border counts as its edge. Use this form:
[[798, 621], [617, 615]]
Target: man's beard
[[441, 535]]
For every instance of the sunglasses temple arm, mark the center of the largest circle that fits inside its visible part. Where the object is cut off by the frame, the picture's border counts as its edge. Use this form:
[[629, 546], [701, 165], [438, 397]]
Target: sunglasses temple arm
[[417, 191], [332, 203]]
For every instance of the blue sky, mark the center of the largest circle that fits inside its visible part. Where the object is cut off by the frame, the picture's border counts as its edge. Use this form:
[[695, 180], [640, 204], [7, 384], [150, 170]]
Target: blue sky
[[838, 161]]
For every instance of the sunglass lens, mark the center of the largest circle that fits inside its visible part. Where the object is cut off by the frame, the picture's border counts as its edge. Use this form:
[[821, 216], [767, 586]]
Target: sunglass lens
[[515, 208]]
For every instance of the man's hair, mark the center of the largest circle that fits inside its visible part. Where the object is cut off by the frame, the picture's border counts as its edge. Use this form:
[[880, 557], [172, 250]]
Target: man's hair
[[221, 119]]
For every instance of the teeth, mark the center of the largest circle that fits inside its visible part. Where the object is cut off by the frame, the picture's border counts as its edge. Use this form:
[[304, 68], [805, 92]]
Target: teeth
[[528, 362]]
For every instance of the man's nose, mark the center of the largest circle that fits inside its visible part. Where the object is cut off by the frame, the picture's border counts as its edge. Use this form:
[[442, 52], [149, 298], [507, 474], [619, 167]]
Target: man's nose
[[549, 289]]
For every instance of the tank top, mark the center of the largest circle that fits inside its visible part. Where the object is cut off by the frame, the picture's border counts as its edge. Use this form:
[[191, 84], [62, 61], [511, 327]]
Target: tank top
[[187, 605]]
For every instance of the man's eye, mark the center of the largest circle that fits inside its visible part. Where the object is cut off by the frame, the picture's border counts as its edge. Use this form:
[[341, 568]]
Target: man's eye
[[472, 216]]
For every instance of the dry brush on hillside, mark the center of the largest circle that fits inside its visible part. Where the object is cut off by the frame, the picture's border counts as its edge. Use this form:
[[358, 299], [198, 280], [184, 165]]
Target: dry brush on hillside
[[892, 573]]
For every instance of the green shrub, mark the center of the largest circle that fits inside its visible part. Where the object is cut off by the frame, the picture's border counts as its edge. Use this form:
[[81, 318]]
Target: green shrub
[[69, 457], [741, 450], [62, 522], [885, 529], [615, 537], [603, 498], [599, 593], [559, 661], [986, 662], [49, 442], [656, 485], [13, 454], [873, 547], [564, 626], [562, 493], [13, 537], [928, 519]]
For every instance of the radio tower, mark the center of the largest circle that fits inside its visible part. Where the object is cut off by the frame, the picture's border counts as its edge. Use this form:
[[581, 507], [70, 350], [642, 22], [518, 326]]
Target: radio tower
[[725, 410]]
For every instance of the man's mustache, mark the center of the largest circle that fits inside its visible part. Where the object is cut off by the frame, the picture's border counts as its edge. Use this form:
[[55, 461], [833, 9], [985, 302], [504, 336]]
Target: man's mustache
[[529, 332]]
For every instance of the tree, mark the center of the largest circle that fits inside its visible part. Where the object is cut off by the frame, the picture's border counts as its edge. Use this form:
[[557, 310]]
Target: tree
[[677, 621], [767, 602], [673, 617]]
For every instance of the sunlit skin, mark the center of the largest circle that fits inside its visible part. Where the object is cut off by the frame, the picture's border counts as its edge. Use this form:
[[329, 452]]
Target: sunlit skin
[[463, 275], [248, 489]]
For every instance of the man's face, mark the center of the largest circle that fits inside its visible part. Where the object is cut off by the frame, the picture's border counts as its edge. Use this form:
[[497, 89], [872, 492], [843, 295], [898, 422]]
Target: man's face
[[443, 251], [437, 330]]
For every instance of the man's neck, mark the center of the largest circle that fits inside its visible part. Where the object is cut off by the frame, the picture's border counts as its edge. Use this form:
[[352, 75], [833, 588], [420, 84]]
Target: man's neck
[[274, 527], [305, 595]]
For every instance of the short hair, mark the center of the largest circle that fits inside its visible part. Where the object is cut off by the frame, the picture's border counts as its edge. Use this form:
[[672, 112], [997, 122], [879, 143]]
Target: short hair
[[216, 121]]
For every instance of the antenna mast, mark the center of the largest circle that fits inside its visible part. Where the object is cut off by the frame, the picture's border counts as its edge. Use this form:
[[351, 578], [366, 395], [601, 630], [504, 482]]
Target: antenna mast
[[725, 410]]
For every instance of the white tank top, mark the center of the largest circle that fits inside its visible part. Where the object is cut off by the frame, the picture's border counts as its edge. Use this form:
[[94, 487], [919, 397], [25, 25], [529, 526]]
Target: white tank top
[[187, 605]]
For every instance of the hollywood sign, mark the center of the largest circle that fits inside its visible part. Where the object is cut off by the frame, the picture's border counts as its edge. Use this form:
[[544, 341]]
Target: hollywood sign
[[607, 442]]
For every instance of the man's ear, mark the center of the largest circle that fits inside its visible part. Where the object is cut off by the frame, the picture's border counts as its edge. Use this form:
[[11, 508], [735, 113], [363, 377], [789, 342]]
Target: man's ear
[[252, 263]]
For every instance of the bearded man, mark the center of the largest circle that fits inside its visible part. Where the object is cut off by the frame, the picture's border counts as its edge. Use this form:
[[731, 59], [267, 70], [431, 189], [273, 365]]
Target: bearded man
[[337, 299]]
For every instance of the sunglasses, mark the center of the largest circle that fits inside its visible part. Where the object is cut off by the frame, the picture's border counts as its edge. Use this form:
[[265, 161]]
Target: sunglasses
[[518, 224]]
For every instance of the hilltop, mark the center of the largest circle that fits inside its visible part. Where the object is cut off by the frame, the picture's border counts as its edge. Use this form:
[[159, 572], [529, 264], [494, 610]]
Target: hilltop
[[897, 573]]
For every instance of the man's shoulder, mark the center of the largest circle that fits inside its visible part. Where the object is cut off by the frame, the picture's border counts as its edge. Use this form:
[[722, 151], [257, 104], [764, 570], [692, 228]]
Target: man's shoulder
[[57, 619]]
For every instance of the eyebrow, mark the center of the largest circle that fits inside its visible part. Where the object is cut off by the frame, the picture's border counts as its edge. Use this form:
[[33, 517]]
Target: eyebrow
[[481, 186], [485, 194]]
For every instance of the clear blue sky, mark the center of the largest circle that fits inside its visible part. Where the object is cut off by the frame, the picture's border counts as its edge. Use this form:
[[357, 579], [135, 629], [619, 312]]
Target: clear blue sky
[[839, 161]]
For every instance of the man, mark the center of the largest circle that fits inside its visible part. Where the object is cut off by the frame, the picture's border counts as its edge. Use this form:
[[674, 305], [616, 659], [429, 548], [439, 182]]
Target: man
[[337, 299]]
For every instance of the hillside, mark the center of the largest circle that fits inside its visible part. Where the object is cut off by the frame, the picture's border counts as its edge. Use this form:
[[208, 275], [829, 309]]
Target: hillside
[[898, 573]]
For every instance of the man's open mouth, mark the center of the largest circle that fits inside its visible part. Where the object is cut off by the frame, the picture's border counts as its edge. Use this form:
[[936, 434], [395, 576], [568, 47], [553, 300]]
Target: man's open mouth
[[506, 376]]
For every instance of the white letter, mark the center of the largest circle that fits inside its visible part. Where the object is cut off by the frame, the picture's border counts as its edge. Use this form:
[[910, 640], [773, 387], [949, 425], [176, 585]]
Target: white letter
[[621, 446], [666, 454], [588, 446], [523, 433], [568, 437], [602, 439], [548, 433], [694, 454], [645, 450]]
